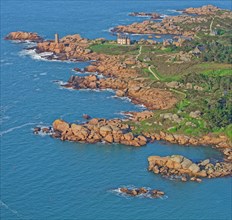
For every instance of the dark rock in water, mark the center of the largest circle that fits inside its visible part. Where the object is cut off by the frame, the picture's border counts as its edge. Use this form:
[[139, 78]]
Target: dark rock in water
[[157, 193], [36, 130], [78, 70], [124, 190], [142, 192], [56, 134], [133, 192], [46, 130], [85, 116]]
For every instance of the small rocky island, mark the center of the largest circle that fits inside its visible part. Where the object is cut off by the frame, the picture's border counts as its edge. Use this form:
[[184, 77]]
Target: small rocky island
[[184, 83], [144, 192]]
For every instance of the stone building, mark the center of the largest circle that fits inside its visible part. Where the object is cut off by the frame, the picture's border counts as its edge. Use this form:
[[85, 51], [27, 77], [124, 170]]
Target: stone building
[[123, 39]]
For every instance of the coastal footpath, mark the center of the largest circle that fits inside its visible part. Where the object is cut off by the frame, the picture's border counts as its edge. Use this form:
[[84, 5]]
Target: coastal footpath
[[129, 77]]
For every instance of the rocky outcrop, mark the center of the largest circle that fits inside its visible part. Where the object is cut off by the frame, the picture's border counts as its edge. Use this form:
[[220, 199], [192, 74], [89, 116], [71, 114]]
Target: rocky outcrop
[[204, 10], [96, 130], [179, 167], [152, 98], [23, 36], [149, 193], [70, 47]]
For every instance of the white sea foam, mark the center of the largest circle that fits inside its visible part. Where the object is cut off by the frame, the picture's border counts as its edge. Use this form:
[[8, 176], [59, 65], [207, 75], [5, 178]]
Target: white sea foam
[[172, 10], [2, 204], [15, 128], [32, 53], [3, 116], [98, 90], [16, 41], [127, 99], [164, 16], [124, 114], [43, 74], [59, 82]]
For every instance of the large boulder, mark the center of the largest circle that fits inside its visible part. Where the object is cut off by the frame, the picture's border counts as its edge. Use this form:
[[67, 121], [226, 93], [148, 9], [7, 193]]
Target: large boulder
[[177, 158], [186, 163], [60, 125], [194, 168], [104, 130], [76, 129]]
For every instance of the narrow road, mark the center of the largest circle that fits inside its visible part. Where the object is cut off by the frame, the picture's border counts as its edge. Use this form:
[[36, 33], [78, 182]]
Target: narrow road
[[140, 51], [154, 74]]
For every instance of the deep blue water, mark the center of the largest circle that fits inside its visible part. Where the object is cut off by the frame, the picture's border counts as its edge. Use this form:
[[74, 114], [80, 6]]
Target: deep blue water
[[43, 178]]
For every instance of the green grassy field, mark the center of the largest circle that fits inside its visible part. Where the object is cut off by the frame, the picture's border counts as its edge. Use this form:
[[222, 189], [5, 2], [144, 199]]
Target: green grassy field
[[115, 49]]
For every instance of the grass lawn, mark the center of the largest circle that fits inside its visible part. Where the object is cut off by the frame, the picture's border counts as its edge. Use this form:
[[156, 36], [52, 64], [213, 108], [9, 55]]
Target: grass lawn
[[115, 49]]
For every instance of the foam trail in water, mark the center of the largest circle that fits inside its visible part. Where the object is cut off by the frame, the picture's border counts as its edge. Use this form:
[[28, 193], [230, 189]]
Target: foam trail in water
[[2, 204], [15, 128]]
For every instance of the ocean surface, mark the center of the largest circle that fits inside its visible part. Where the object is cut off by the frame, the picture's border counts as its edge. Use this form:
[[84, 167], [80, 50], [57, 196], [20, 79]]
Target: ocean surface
[[44, 178]]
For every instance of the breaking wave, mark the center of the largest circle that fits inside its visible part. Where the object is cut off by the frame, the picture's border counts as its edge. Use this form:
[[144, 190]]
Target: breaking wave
[[32, 53]]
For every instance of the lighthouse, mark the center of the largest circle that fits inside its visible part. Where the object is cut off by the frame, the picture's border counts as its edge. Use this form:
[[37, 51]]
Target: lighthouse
[[56, 38]]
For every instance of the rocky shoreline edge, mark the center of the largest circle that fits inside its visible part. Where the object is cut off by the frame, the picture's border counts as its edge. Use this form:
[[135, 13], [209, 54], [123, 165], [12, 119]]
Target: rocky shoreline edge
[[123, 77]]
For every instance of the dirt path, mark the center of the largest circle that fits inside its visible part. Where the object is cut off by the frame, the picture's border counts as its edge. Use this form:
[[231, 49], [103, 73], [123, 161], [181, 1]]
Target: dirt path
[[153, 73], [140, 51]]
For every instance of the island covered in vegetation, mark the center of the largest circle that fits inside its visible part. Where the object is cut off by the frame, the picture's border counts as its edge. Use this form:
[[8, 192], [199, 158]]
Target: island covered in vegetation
[[184, 82]]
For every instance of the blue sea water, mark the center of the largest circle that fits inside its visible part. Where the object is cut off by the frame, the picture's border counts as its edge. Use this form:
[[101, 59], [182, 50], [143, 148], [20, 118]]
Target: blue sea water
[[44, 178]]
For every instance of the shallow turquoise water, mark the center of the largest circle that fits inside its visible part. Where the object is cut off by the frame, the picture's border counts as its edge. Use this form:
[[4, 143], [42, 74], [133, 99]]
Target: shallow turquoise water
[[43, 178]]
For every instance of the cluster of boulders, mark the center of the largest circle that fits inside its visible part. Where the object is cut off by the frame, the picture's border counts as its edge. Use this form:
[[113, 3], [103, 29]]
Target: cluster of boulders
[[146, 14], [179, 85], [180, 57], [172, 117], [142, 192], [180, 167], [152, 98], [204, 10], [72, 47], [169, 25], [24, 36], [206, 140], [96, 130]]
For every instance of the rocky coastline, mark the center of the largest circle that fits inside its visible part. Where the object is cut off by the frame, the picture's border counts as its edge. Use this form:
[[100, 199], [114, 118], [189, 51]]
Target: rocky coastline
[[121, 73], [177, 25], [204, 10]]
